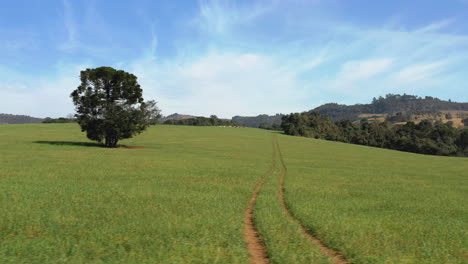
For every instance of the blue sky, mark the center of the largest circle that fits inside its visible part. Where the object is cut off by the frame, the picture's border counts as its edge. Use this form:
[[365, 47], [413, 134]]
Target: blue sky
[[234, 57]]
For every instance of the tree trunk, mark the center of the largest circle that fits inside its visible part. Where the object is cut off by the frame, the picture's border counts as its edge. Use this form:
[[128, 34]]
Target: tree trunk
[[111, 142]]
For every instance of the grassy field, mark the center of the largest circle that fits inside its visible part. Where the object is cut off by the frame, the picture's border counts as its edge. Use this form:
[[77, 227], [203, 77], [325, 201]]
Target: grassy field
[[182, 198], [379, 206], [283, 239]]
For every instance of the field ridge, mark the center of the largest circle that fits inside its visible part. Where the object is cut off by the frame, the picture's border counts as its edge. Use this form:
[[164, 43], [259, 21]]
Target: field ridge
[[334, 255], [256, 248]]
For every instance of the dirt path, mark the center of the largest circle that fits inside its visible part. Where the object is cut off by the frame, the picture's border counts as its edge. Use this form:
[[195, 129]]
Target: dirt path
[[257, 251], [335, 256]]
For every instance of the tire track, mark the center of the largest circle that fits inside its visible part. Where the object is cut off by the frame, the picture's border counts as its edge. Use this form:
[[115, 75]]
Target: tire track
[[256, 248], [335, 256]]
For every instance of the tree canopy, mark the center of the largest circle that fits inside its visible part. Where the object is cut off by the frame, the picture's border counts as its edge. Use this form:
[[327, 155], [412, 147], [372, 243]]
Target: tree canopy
[[109, 105], [200, 121], [427, 137]]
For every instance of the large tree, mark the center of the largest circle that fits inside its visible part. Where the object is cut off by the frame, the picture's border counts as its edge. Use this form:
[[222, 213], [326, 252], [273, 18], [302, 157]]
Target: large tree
[[110, 105]]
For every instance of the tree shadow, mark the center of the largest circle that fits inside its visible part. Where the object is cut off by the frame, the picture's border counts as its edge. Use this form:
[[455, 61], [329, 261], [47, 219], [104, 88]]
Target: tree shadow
[[71, 143]]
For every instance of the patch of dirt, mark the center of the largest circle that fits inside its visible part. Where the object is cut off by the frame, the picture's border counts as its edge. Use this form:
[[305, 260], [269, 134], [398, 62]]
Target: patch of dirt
[[257, 250], [335, 256]]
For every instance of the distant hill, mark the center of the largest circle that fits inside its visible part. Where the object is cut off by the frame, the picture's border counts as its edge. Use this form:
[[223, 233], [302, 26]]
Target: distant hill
[[395, 107], [263, 121], [175, 116], [18, 119]]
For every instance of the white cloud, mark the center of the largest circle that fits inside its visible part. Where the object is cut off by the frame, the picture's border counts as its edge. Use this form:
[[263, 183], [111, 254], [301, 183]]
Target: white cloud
[[70, 26], [365, 69], [219, 16], [221, 83], [354, 73], [420, 72], [436, 26], [40, 96]]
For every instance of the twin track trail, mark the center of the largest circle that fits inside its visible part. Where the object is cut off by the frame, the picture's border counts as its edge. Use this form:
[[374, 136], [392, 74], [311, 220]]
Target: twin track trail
[[335, 256], [255, 246], [257, 251]]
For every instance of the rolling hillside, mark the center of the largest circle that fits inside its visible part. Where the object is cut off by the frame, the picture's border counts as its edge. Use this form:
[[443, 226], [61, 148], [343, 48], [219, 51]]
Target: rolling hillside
[[413, 108], [200, 195], [263, 121], [175, 116], [18, 119]]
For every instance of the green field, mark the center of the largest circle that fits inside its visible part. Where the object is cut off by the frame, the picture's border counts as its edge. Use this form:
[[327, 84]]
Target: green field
[[183, 198]]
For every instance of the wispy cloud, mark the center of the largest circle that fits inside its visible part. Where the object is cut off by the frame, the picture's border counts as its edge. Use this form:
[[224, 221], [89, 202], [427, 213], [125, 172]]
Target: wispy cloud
[[70, 26], [354, 73], [362, 70], [436, 26], [220, 16], [420, 72], [237, 83]]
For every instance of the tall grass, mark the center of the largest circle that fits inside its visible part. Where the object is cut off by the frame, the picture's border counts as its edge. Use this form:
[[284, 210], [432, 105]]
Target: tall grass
[[284, 240], [181, 199], [379, 206]]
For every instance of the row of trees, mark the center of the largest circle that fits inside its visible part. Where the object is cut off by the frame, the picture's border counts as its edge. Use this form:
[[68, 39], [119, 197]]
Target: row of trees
[[49, 120], [260, 121], [425, 138], [200, 121]]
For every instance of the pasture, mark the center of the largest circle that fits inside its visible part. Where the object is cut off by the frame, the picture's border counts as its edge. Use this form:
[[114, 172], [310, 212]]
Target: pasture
[[183, 197]]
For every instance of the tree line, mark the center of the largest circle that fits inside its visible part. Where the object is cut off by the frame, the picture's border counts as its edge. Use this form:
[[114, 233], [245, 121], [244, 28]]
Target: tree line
[[200, 121], [261, 121], [427, 137], [59, 120]]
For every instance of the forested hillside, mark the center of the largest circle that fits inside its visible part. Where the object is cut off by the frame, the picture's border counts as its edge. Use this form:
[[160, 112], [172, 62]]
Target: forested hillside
[[427, 137], [391, 104], [175, 116], [18, 119], [260, 121]]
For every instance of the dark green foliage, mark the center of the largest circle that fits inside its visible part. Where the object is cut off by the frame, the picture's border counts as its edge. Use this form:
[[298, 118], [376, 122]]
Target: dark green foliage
[[463, 142], [448, 116], [260, 121], [311, 124], [110, 106], [268, 126], [343, 112], [425, 137], [391, 104], [400, 117], [200, 121], [49, 120]]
